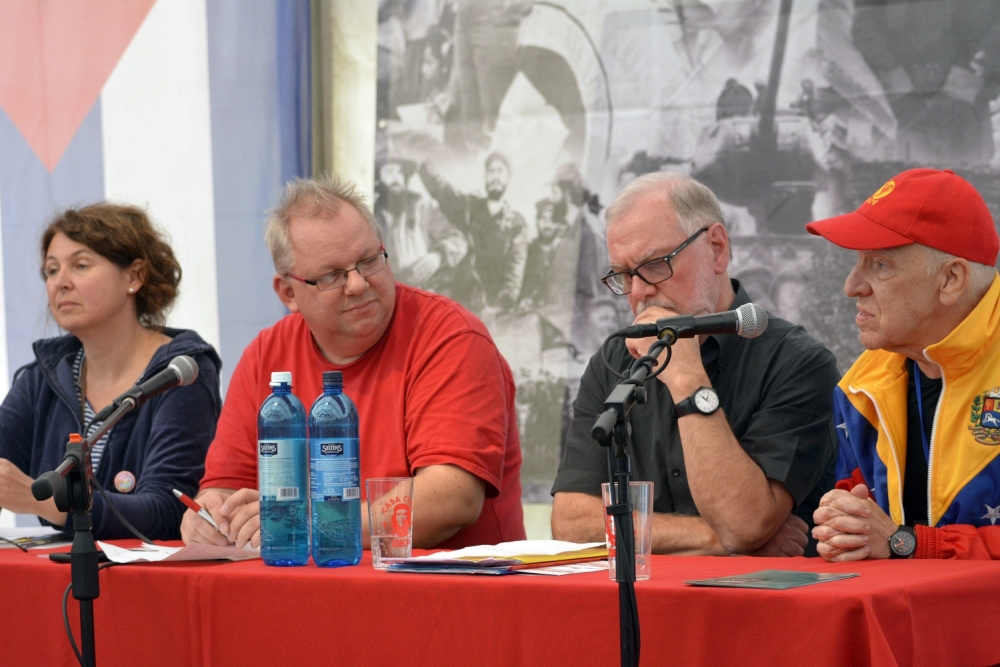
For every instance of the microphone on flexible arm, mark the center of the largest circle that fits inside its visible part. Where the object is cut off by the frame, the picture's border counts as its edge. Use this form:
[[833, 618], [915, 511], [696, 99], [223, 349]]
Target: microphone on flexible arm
[[182, 371], [748, 321]]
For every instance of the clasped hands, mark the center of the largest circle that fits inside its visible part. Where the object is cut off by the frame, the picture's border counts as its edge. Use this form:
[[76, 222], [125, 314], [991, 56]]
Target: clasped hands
[[851, 526]]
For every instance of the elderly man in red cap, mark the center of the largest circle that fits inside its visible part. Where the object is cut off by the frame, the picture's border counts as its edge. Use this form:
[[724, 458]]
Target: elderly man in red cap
[[918, 414]]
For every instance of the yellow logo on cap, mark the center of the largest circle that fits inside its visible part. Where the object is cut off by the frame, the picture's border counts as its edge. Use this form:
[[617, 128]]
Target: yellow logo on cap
[[882, 192]]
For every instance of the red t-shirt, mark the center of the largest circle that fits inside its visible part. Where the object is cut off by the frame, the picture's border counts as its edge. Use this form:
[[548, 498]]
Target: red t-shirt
[[433, 390]]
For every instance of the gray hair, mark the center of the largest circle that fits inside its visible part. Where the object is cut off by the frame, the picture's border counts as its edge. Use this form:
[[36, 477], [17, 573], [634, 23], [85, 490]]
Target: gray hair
[[980, 275], [694, 204], [311, 198]]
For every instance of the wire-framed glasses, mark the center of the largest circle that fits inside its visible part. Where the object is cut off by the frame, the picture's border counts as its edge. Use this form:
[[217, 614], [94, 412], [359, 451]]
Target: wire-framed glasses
[[338, 278], [654, 271]]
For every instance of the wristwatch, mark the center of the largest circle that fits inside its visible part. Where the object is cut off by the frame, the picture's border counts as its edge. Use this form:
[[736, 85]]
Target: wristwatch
[[703, 401], [903, 543]]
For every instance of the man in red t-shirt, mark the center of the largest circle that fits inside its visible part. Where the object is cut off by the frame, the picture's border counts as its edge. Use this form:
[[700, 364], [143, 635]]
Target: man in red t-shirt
[[435, 398]]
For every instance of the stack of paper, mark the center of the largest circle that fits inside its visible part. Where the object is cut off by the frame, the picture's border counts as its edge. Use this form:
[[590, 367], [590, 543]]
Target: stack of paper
[[505, 558]]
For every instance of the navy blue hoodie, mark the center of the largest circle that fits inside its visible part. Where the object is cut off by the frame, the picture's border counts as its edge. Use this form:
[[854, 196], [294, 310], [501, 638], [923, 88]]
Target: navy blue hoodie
[[163, 443]]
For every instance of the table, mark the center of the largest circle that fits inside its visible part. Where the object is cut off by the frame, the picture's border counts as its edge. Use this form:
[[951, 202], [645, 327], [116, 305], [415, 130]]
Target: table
[[242, 614]]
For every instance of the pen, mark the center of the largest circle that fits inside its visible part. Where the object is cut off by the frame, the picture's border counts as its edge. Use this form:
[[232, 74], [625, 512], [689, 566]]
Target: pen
[[195, 507]]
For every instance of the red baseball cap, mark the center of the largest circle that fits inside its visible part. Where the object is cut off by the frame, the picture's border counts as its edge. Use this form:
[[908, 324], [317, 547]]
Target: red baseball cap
[[934, 208]]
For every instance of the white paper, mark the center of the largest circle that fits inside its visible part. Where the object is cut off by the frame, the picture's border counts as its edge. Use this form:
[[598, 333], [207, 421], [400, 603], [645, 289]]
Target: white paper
[[572, 568], [510, 549], [152, 553]]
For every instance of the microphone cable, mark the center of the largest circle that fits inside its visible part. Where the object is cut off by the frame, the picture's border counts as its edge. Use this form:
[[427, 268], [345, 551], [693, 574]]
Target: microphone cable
[[125, 522], [652, 360], [65, 601], [114, 510], [65, 613], [107, 501]]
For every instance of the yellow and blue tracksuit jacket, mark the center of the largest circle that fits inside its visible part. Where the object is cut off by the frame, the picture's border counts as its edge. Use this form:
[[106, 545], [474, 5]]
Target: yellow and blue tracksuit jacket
[[870, 405]]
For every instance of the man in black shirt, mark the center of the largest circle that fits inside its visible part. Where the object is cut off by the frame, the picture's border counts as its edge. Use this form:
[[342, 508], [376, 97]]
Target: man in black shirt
[[725, 481]]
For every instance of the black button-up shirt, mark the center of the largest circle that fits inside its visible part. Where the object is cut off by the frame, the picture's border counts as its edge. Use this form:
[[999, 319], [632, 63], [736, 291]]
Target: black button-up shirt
[[777, 394]]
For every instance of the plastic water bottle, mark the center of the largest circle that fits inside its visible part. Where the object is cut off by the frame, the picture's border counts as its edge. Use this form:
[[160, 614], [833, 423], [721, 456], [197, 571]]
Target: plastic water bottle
[[282, 476], [334, 476]]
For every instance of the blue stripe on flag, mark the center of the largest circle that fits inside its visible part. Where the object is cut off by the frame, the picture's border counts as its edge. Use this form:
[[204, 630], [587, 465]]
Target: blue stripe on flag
[[259, 77], [30, 197], [294, 89]]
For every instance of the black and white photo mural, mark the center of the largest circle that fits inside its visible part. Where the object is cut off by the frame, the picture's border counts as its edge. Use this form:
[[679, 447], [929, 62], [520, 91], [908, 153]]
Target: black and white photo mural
[[506, 126]]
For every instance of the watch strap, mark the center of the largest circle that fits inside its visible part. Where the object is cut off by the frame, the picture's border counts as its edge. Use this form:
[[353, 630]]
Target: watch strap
[[685, 407]]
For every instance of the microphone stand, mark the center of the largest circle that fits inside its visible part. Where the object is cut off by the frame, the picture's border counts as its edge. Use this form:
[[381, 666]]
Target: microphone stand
[[70, 484], [612, 428]]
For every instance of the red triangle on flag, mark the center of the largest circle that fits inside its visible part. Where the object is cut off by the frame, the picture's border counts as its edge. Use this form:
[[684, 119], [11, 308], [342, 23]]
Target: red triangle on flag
[[55, 57]]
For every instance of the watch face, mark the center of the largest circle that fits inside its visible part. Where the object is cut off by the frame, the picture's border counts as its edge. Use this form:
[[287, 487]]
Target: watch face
[[706, 400], [902, 543]]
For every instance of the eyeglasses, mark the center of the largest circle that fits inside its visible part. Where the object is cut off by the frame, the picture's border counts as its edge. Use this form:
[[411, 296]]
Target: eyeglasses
[[338, 278], [654, 271]]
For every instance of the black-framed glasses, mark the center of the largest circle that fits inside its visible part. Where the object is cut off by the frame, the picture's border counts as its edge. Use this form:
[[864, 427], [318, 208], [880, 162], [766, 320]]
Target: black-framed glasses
[[338, 278], [654, 271]]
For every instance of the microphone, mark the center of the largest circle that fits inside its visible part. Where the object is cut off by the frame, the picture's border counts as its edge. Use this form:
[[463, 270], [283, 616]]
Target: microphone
[[182, 371], [748, 321]]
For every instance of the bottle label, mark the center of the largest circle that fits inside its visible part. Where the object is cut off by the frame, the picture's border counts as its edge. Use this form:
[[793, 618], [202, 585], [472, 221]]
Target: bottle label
[[281, 469], [334, 472]]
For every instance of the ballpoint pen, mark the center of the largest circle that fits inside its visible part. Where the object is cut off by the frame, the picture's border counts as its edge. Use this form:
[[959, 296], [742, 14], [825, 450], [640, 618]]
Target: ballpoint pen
[[195, 507]]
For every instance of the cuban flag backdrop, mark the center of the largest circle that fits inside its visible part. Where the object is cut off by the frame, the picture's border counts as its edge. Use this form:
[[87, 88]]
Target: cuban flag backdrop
[[197, 110]]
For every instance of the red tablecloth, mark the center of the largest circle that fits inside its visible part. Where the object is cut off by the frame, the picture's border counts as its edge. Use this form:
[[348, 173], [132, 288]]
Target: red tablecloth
[[241, 614]]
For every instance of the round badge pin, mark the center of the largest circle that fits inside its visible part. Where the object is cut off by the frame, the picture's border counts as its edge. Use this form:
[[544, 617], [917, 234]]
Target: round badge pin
[[124, 481]]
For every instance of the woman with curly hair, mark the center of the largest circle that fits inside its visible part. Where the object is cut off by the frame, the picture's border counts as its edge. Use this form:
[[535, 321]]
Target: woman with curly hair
[[110, 280]]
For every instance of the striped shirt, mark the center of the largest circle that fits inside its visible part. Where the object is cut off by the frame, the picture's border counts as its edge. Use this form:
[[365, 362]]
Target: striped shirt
[[88, 415]]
